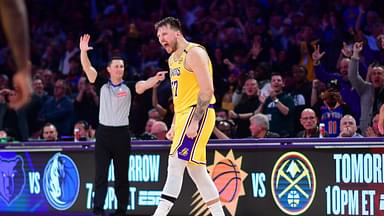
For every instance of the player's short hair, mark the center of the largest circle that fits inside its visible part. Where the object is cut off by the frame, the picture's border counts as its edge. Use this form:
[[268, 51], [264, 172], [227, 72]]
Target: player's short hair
[[173, 22]]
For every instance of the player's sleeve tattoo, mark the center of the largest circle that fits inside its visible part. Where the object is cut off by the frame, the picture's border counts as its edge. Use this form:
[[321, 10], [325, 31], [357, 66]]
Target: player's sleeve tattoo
[[202, 105]]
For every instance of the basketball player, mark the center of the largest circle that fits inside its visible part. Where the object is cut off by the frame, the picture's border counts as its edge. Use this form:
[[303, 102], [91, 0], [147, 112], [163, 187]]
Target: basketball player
[[194, 119], [13, 15]]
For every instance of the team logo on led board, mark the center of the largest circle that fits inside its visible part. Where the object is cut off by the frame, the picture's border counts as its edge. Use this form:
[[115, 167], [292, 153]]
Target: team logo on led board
[[61, 182], [12, 178], [228, 178], [293, 183]]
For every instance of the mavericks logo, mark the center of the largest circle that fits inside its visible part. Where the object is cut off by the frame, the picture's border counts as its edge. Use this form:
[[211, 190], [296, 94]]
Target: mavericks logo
[[12, 178], [293, 183], [61, 182]]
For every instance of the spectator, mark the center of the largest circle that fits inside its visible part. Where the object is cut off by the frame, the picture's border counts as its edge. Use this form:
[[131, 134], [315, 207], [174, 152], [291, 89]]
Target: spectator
[[224, 129], [373, 130], [309, 122], [248, 102], [58, 109], [14, 122], [3, 136], [84, 130], [146, 135], [50, 132], [300, 90], [166, 113], [86, 103], [39, 97], [70, 51], [278, 106], [259, 127], [371, 92], [331, 108], [154, 114], [159, 129], [347, 92], [348, 127]]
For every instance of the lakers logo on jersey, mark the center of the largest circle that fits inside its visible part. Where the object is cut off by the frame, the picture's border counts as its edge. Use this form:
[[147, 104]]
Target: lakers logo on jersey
[[175, 72], [184, 152], [184, 83]]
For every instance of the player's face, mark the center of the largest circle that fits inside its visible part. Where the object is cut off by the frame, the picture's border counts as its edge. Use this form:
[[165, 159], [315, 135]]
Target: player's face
[[168, 38], [116, 69]]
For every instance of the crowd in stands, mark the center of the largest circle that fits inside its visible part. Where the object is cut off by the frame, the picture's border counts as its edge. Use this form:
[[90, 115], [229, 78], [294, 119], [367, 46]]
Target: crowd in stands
[[281, 67]]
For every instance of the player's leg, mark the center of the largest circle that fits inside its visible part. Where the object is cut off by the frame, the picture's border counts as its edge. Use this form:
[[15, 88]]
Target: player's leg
[[172, 186], [206, 188]]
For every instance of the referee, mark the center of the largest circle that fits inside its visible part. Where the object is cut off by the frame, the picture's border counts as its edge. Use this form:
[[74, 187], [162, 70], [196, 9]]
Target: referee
[[112, 136]]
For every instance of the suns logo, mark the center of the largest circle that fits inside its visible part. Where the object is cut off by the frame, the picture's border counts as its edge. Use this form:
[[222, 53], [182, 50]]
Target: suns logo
[[293, 183], [61, 182], [12, 178], [228, 178]]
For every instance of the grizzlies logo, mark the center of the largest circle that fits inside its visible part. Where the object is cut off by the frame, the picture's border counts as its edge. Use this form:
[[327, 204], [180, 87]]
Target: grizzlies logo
[[293, 183], [12, 178], [61, 182]]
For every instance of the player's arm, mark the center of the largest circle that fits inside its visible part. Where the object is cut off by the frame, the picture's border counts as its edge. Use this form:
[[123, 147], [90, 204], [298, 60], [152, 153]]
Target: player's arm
[[89, 70], [197, 61], [14, 19], [143, 85], [171, 132]]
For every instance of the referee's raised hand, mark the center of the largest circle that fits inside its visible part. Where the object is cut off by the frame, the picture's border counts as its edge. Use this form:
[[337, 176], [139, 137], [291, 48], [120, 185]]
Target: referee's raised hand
[[84, 41]]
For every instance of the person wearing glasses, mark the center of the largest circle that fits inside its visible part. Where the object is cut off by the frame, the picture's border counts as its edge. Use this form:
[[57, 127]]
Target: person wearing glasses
[[309, 122]]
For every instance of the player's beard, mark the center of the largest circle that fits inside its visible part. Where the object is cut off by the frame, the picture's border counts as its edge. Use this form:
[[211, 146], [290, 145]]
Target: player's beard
[[174, 46]]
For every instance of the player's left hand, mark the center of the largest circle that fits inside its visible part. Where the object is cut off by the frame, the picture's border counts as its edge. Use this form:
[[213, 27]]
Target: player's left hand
[[192, 129]]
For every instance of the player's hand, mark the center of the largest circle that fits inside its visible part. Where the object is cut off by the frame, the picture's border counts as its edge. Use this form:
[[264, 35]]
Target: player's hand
[[192, 129], [171, 133], [23, 90], [84, 41], [161, 75]]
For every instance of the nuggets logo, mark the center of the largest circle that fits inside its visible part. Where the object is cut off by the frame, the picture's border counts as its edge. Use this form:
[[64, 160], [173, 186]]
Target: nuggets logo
[[61, 182], [228, 178], [12, 178], [293, 183]]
